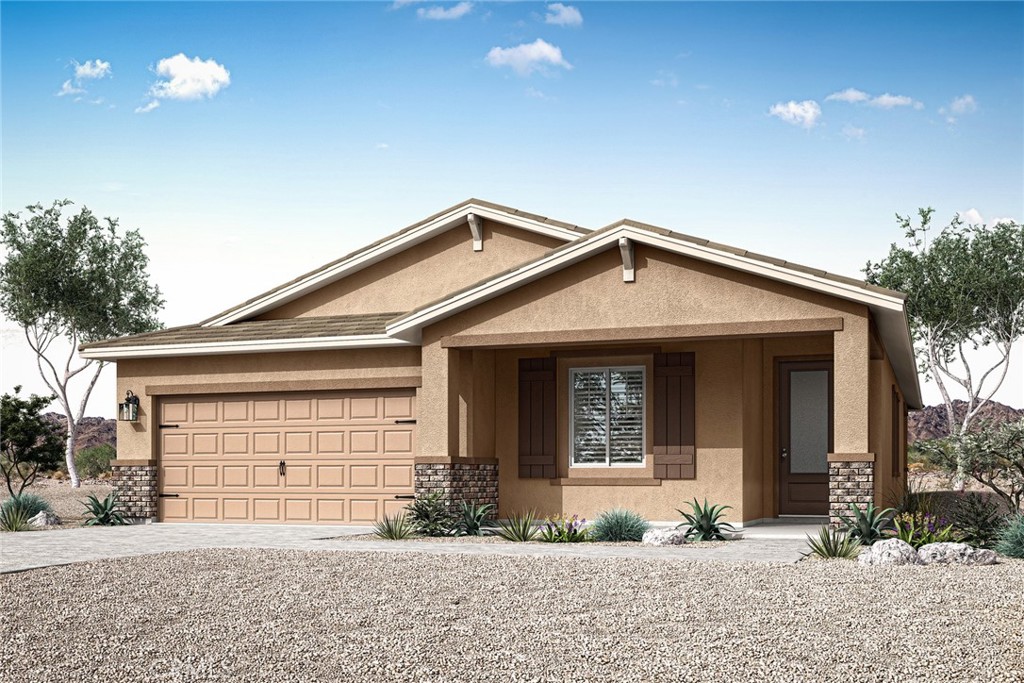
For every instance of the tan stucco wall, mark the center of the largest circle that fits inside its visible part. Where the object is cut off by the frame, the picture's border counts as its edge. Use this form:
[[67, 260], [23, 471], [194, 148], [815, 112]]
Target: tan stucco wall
[[320, 370], [421, 273], [887, 487]]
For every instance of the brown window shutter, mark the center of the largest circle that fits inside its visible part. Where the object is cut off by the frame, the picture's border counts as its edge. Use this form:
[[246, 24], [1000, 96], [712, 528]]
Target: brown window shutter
[[538, 414], [674, 416]]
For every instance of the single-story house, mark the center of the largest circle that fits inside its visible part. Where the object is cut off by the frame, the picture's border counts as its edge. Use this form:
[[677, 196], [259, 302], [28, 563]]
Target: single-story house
[[500, 356]]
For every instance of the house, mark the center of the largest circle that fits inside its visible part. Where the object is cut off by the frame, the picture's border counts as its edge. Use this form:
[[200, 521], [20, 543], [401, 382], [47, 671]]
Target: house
[[501, 356]]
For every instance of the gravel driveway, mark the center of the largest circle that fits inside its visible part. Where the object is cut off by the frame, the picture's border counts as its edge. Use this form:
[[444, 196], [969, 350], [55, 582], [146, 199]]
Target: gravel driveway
[[283, 615]]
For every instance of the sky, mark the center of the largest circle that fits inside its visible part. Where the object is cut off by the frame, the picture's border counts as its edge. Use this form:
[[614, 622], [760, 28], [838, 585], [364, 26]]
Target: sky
[[251, 142]]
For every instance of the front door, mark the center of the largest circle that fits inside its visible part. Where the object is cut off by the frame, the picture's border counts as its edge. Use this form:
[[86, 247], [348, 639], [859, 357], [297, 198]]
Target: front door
[[804, 436]]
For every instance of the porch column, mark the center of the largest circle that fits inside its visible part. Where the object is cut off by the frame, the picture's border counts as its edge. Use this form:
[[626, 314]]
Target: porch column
[[851, 466]]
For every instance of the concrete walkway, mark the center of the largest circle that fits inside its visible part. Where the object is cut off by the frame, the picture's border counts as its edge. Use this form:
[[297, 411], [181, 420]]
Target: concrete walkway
[[32, 550]]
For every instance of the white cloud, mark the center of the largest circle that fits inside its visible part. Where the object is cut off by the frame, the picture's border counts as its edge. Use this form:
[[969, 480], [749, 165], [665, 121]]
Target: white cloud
[[68, 89], [526, 58], [445, 13], [804, 113], [563, 15], [971, 217], [889, 101], [148, 107], [92, 69], [997, 221], [965, 104], [850, 95], [665, 79], [853, 132], [382, 145], [536, 94], [189, 79]]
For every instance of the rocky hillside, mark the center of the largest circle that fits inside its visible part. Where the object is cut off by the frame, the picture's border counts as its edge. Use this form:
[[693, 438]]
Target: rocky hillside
[[930, 422], [92, 431]]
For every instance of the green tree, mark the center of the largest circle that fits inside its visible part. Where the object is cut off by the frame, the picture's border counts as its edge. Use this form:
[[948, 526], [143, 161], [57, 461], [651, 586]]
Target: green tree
[[991, 455], [76, 280], [29, 443], [965, 290]]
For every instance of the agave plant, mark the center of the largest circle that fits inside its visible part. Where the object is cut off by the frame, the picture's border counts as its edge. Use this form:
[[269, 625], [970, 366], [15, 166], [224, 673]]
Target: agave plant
[[833, 544], [394, 528], [106, 512], [703, 521], [868, 525], [473, 519], [520, 527], [14, 518]]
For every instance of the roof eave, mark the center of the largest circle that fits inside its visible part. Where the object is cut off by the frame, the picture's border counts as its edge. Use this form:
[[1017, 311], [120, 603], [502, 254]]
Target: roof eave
[[365, 341]]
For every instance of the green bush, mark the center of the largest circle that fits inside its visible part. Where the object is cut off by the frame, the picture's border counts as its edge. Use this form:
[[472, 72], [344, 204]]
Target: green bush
[[520, 527], [430, 515], [978, 520], [106, 512], [922, 529], [473, 519], [868, 525], [1011, 538], [619, 525], [29, 503], [562, 529], [833, 544], [92, 462], [13, 518], [704, 521], [394, 528]]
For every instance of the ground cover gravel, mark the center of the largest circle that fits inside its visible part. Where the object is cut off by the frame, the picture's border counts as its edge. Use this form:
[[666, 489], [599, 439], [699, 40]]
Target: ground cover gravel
[[281, 615]]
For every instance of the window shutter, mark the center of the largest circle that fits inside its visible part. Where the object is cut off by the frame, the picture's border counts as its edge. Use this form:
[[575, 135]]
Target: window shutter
[[674, 416], [538, 414]]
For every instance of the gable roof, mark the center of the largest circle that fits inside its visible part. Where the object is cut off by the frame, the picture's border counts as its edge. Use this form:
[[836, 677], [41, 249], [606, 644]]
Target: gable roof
[[389, 246]]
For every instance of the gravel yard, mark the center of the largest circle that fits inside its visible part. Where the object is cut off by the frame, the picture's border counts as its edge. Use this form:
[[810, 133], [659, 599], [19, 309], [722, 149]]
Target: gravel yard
[[279, 615], [65, 501]]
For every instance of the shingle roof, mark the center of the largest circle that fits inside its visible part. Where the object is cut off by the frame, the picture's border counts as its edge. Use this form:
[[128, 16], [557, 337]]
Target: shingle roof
[[290, 328]]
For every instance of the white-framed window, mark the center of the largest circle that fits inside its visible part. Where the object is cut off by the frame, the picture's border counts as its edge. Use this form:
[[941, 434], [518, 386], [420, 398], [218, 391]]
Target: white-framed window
[[606, 409]]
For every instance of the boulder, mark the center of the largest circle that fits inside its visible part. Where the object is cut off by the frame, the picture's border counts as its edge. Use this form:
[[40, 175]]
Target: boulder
[[665, 537], [44, 519], [955, 553], [890, 552]]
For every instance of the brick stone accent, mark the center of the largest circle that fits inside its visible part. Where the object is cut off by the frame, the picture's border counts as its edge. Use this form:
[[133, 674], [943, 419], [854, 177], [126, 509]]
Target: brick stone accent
[[135, 486], [849, 482], [457, 481]]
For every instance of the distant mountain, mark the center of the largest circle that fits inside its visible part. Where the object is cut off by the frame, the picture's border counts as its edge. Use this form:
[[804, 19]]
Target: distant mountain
[[930, 422], [92, 431]]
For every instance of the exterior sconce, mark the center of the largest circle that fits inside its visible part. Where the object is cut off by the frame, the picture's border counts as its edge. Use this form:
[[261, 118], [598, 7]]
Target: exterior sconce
[[129, 410]]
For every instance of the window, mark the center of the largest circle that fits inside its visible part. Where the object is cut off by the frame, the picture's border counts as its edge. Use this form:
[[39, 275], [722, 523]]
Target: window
[[607, 411]]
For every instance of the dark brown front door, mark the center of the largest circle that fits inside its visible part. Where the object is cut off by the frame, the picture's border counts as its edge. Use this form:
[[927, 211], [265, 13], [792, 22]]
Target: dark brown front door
[[805, 436]]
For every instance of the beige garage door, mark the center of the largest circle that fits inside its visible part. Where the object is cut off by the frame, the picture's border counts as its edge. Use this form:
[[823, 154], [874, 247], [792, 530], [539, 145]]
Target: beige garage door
[[300, 458]]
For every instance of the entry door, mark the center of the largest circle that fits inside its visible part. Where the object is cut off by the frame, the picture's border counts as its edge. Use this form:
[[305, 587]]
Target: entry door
[[805, 436]]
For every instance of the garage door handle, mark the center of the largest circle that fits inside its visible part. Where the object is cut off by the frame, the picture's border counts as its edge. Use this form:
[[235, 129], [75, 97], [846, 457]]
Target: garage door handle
[[168, 495], [405, 422], [168, 426], [280, 468], [407, 497]]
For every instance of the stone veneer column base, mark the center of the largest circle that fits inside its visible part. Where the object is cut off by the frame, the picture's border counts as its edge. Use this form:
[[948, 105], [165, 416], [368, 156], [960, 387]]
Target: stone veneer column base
[[849, 481], [459, 481], [135, 485]]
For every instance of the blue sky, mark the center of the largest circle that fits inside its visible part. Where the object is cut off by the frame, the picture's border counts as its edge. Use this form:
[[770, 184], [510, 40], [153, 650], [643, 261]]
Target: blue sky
[[287, 134]]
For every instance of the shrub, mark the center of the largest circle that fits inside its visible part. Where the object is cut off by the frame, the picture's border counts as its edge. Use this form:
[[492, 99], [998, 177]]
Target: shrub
[[867, 525], [14, 518], [430, 515], [1011, 538], [29, 443], [913, 498], [473, 519], [833, 544], [519, 528], [619, 525], [92, 462], [561, 529], [703, 521], [106, 512], [922, 529], [29, 503], [978, 520], [394, 528]]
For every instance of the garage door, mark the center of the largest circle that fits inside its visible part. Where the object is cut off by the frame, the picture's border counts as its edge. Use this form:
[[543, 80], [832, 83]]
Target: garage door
[[310, 458]]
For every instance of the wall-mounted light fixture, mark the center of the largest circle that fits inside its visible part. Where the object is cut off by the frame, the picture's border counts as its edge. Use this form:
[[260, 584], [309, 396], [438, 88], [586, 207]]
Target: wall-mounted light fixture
[[129, 410]]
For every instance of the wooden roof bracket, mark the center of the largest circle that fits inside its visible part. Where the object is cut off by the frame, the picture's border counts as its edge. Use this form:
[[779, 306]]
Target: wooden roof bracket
[[476, 226], [626, 249]]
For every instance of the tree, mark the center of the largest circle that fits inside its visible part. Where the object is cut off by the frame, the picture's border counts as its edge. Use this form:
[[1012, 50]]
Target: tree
[[29, 443], [75, 280], [965, 290]]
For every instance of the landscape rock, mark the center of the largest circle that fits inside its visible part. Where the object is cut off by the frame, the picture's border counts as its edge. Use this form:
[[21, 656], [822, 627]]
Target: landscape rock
[[955, 553], [44, 519], [664, 537], [890, 552]]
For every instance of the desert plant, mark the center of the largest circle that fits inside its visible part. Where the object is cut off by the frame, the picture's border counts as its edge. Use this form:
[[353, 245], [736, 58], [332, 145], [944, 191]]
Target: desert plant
[[833, 544], [867, 525], [431, 516], [978, 520], [14, 518], [619, 525], [991, 455], [703, 521], [922, 529], [94, 461], [913, 498], [30, 503], [473, 519], [106, 512], [394, 528], [562, 529], [520, 527], [29, 443], [1011, 538]]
